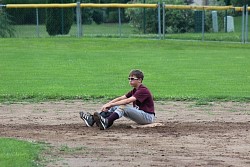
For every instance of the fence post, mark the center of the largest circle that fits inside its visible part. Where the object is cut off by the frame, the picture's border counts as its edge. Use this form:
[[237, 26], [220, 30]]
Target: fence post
[[62, 20], [243, 25], [79, 19], [246, 24], [225, 21], [203, 24], [159, 20], [37, 22], [144, 18], [163, 20], [1, 5], [119, 12]]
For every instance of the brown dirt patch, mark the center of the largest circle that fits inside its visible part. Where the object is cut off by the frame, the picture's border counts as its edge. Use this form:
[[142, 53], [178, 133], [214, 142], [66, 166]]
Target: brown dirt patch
[[216, 134]]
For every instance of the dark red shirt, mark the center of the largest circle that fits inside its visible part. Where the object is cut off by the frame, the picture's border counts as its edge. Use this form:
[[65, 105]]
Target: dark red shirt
[[144, 99]]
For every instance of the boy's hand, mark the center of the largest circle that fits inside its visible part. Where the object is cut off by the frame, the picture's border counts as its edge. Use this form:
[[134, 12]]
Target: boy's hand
[[106, 107]]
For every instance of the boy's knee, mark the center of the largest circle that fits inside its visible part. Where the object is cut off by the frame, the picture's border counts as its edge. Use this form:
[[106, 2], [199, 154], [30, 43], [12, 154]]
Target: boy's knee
[[122, 106], [120, 110], [105, 114]]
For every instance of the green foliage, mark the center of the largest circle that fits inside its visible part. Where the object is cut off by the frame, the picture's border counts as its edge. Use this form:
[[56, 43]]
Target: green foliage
[[112, 17], [19, 153], [188, 2], [220, 15], [98, 16], [87, 14], [136, 18], [111, 14], [59, 20], [6, 28], [102, 15], [177, 21], [240, 2], [89, 68], [25, 16]]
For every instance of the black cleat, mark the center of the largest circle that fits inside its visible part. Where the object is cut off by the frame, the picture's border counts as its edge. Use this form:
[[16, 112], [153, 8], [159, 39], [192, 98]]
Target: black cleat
[[87, 118], [101, 122]]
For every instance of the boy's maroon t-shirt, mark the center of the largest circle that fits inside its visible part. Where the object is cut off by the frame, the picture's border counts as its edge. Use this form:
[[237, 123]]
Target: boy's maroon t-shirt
[[144, 99]]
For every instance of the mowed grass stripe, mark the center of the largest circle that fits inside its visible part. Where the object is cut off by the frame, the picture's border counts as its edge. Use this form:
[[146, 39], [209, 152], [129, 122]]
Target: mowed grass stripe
[[98, 67]]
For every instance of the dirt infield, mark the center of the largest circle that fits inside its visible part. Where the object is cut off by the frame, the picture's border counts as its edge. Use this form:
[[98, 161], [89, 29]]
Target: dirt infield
[[214, 134]]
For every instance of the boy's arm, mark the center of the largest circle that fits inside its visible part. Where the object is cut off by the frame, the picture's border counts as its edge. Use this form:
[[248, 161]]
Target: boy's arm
[[118, 99], [122, 100]]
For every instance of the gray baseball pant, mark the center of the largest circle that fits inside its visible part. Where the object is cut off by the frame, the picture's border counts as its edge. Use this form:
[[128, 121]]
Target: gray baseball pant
[[134, 114]]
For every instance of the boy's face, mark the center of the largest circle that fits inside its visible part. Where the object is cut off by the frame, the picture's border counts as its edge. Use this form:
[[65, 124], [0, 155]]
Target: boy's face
[[134, 81]]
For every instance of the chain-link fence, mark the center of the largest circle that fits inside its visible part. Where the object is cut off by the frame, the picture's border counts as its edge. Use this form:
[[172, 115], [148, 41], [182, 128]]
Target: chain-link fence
[[32, 20], [162, 21], [209, 23]]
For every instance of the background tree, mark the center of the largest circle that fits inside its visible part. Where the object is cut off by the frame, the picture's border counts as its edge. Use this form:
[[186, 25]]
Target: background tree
[[25, 16], [188, 2], [177, 21], [239, 3], [6, 28], [59, 20]]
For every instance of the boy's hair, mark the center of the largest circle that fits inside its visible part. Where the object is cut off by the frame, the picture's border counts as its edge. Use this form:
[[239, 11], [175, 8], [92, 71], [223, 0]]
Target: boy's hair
[[138, 73]]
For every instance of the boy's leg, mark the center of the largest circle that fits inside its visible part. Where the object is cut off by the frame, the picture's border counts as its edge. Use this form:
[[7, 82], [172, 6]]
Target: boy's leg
[[105, 114], [117, 112], [105, 119], [89, 119], [135, 115]]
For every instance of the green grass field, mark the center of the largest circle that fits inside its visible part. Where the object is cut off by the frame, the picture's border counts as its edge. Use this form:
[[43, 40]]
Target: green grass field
[[91, 68], [19, 153], [37, 69]]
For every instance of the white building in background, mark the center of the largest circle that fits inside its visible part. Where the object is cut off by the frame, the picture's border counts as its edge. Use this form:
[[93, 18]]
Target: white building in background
[[198, 2], [204, 2]]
